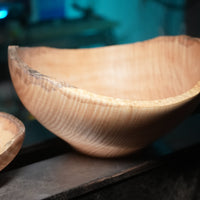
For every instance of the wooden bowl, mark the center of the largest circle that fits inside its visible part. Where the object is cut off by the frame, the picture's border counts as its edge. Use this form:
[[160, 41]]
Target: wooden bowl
[[11, 138], [109, 101]]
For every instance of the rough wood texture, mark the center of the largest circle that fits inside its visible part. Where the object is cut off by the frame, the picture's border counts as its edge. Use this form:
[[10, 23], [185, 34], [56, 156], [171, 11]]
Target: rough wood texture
[[109, 101], [11, 138]]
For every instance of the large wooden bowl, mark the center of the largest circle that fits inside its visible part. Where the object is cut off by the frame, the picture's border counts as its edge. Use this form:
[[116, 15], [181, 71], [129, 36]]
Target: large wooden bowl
[[109, 101], [11, 138]]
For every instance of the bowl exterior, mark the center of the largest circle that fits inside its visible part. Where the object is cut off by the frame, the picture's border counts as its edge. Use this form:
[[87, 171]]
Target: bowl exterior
[[11, 152], [90, 125]]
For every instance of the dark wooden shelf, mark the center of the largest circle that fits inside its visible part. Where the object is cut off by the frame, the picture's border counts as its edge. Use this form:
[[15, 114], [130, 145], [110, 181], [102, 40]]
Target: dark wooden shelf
[[52, 170]]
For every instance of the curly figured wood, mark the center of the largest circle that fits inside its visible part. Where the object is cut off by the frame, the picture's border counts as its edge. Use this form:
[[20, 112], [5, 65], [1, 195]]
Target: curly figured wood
[[109, 101]]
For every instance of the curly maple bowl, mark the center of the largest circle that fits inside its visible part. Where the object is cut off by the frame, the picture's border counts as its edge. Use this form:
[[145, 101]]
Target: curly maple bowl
[[109, 101], [11, 138]]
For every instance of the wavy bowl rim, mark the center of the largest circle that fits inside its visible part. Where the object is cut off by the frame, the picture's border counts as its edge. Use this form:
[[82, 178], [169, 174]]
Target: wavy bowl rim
[[87, 96]]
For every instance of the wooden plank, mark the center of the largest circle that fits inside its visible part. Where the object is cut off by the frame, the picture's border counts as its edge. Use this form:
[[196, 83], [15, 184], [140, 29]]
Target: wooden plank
[[64, 173], [72, 174], [178, 179], [39, 151]]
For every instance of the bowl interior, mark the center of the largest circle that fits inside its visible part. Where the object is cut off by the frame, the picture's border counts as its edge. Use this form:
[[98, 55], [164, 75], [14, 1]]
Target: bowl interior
[[6, 134], [156, 69], [10, 130]]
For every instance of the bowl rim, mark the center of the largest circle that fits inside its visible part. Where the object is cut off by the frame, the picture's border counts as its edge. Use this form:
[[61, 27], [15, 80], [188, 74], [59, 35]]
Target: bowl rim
[[91, 97]]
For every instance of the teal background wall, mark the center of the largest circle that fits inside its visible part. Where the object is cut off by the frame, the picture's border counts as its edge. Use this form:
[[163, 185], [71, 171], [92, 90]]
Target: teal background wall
[[138, 20], [143, 19]]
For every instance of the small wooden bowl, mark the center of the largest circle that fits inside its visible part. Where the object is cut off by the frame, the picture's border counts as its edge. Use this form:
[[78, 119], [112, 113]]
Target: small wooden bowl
[[109, 101], [11, 138]]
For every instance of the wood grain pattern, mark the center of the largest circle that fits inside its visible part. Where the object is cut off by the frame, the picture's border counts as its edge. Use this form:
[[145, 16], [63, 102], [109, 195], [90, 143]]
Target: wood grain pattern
[[109, 101], [11, 138]]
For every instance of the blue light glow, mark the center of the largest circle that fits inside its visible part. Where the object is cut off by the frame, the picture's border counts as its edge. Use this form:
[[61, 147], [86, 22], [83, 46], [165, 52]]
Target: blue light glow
[[3, 13]]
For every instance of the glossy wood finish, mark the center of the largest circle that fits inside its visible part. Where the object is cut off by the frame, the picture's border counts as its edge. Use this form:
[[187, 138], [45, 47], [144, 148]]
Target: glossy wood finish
[[11, 138], [109, 101]]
